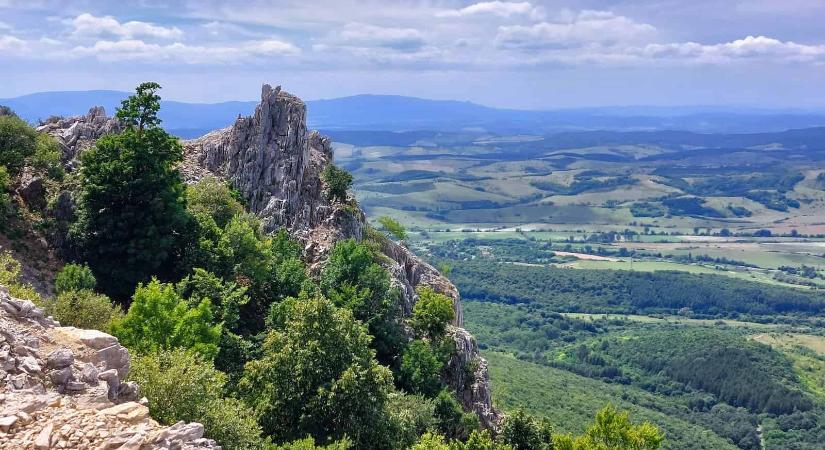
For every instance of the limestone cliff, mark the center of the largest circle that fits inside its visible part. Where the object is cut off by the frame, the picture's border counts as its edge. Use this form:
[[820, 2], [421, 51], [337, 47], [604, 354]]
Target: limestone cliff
[[60, 387], [276, 163]]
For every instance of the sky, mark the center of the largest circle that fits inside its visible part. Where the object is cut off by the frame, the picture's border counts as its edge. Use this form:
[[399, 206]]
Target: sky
[[516, 54]]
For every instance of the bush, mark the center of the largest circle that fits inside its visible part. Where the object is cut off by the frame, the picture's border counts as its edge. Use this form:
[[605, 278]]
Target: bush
[[74, 277], [5, 198], [451, 420], [431, 313], [392, 227], [18, 141], [10, 278], [523, 432], [410, 417], [309, 444], [183, 386], [83, 309], [318, 377], [214, 198], [160, 319], [46, 157], [612, 429], [421, 369], [337, 182]]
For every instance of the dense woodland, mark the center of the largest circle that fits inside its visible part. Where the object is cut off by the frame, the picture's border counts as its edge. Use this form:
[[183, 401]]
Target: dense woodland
[[227, 327]]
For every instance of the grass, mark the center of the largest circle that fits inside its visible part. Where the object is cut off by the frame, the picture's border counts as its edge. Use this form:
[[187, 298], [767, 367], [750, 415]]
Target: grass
[[570, 401], [677, 320], [807, 352]]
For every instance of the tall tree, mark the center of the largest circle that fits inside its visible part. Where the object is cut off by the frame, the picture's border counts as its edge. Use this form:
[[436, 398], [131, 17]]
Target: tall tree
[[132, 201]]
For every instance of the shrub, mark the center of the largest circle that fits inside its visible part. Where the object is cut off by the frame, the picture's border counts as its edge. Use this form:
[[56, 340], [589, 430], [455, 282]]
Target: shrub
[[10, 277], [46, 157], [523, 432], [432, 312], [160, 319], [74, 277], [5, 198], [612, 429], [309, 444], [410, 417], [337, 182], [421, 369], [393, 228], [18, 141], [83, 309], [451, 420], [214, 198], [318, 377], [181, 385]]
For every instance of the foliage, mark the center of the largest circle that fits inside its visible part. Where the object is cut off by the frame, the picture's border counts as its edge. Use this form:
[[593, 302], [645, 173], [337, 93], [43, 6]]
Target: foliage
[[46, 157], [523, 432], [393, 228], [83, 309], [451, 420], [410, 417], [337, 182], [341, 389], [181, 385], [420, 371], [628, 292], [353, 279], [10, 277], [309, 444], [18, 141], [432, 313], [131, 206], [612, 430], [5, 198], [214, 198], [74, 277], [159, 318]]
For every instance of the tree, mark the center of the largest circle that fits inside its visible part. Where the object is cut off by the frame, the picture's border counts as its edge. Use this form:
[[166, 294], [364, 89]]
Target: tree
[[480, 440], [181, 385], [432, 312], [214, 198], [337, 181], [159, 318], [612, 430], [74, 277], [5, 198], [392, 227], [131, 207], [318, 377], [420, 370], [18, 141], [451, 420], [523, 432]]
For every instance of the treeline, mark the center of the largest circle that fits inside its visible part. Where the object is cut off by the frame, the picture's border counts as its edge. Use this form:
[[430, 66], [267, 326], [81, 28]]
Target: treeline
[[629, 292]]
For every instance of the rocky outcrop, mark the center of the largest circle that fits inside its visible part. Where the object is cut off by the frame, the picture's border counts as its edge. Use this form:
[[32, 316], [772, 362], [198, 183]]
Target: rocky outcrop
[[76, 134], [62, 387], [277, 163]]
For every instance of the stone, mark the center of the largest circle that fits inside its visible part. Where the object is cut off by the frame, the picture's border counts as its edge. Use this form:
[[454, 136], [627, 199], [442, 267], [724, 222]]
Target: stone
[[32, 189], [61, 376], [89, 374], [43, 440], [29, 365], [97, 339], [7, 422], [129, 411], [60, 358]]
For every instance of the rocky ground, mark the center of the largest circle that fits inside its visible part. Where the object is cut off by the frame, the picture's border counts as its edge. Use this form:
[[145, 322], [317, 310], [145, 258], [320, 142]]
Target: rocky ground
[[61, 388]]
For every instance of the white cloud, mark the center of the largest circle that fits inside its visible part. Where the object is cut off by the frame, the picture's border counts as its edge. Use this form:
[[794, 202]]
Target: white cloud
[[10, 45], [583, 28], [751, 47], [87, 25], [365, 35], [5, 26], [496, 8], [133, 49]]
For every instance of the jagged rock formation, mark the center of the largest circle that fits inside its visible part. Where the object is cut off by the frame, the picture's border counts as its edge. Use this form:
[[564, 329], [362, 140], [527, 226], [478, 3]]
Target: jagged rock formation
[[60, 387], [76, 134], [276, 163]]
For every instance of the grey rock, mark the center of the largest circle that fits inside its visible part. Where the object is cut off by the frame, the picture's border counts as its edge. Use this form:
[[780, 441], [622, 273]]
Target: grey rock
[[60, 358], [60, 377]]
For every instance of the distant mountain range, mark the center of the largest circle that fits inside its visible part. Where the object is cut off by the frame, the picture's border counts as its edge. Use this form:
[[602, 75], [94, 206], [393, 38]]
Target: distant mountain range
[[396, 113]]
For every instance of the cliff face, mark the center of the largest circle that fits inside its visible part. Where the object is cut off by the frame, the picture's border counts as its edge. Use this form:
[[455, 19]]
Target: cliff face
[[60, 387], [276, 163]]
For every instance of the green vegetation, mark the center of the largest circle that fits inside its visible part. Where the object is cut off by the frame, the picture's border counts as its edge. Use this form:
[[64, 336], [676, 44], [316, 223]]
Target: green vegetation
[[131, 207], [18, 141], [432, 313], [74, 277], [83, 309], [337, 181], [393, 228]]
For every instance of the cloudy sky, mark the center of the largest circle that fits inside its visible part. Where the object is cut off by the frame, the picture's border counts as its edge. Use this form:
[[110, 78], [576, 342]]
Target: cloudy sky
[[523, 54]]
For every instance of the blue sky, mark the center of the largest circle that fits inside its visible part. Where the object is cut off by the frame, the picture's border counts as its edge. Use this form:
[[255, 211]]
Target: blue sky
[[536, 54]]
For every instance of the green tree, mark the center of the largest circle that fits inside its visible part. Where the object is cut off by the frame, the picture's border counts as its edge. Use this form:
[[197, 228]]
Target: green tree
[[159, 318], [309, 444], [214, 198], [612, 430], [392, 227], [46, 157], [430, 441], [523, 432], [420, 370], [181, 385], [318, 377], [18, 141], [74, 277], [451, 420], [432, 313], [480, 440], [410, 417], [5, 198], [131, 208], [83, 309], [337, 182]]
